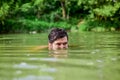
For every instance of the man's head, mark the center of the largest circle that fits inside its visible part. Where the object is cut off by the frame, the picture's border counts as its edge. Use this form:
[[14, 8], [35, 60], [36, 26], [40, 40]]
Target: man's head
[[58, 39]]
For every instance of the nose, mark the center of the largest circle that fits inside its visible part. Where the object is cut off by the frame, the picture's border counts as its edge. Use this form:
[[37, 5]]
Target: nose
[[62, 46]]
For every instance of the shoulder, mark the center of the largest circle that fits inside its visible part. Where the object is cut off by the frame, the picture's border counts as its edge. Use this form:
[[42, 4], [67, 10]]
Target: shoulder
[[37, 48]]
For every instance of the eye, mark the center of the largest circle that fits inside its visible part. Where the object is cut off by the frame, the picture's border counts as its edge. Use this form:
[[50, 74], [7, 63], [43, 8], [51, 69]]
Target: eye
[[65, 43], [58, 44]]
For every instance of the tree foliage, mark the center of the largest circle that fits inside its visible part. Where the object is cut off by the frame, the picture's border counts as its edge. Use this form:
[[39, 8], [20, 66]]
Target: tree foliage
[[72, 12]]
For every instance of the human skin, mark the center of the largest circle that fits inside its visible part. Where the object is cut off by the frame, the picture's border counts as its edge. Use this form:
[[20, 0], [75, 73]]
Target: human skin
[[61, 43]]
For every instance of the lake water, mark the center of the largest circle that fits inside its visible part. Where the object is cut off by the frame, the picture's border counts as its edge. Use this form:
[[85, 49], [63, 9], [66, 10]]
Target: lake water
[[92, 56]]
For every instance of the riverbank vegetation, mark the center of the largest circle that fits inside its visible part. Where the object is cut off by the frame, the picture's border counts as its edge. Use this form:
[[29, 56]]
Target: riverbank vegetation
[[23, 16]]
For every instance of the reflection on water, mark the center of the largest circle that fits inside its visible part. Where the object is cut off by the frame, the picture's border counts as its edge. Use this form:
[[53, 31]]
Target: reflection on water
[[58, 53], [92, 56], [32, 77]]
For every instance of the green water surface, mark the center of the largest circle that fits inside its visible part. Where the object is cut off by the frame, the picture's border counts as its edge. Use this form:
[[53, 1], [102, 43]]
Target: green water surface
[[92, 56]]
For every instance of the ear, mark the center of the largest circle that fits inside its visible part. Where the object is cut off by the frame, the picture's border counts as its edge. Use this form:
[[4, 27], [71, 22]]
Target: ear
[[50, 46]]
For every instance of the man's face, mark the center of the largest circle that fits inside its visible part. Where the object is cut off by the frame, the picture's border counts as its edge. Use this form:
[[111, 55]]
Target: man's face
[[61, 43]]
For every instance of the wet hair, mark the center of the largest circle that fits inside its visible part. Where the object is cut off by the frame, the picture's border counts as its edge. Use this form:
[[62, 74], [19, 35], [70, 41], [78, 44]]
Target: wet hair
[[56, 33]]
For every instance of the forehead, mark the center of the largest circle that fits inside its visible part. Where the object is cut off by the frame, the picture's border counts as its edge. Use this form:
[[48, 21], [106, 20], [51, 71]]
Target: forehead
[[61, 40]]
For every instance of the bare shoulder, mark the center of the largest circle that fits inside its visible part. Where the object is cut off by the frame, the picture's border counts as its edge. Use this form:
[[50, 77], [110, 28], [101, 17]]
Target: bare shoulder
[[41, 47]]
